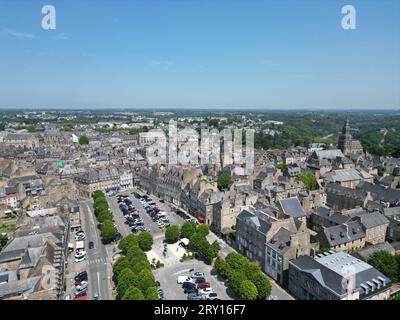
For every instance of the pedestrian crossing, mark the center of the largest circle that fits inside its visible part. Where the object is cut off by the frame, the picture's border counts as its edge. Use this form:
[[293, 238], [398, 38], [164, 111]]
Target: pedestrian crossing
[[98, 260]]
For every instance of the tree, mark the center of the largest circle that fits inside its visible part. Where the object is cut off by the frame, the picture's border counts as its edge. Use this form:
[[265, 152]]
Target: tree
[[262, 284], [133, 293], [83, 140], [236, 278], [247, 290], [203, 229], [172, 233], [222, 267], [125, 279], [119, 265], [145, 241], [128, 242], [223, 180], [195, 241], [104, 216], [386, 263], [309, 180], [108, 231], [141, 265], [237, 261], [151, 293], [188, 229], [215, 247], [146, 280], [3, 241]]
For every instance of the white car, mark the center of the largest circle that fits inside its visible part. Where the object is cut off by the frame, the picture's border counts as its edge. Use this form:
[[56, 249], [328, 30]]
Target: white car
[[81, 285], [210, 296], [80, 236], [80, 254], [205, 291], [182, 279], [80, 259]]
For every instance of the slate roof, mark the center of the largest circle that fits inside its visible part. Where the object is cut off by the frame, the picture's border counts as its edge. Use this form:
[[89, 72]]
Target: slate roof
[[344, 233], [281, 240], [28, 285], [292, 207], [390, 212], [391, 196], [332, 270], [330, 154], [365, 253], [372, 220], [343, 175]]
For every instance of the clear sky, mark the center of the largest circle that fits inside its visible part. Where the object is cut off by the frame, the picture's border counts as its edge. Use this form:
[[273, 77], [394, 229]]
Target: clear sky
[[194, 53]]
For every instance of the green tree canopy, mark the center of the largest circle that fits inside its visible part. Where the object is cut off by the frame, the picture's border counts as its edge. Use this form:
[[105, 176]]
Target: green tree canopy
[[262, 284], [172, 233], [151, 293], [223, 181], [119, 265], [104, 216], [237, 261], [145, 241], [203, 229], [126, 279], [309, 180], [188, 229], [108, 231], [146, 280], [247, 290], [83, 140], [128, 242], [236, 278], [3, 241], [386, 263], [133, 293]]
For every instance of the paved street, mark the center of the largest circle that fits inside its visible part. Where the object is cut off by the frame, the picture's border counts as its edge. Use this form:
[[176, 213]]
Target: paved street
[[97, 263]]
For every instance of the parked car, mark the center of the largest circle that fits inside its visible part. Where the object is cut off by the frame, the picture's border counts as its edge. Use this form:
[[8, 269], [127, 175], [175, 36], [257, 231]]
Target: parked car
[[200, 280], [80, 253], [198, 274], [189, 290], [205, 291], [81, 276], [182, 279], [190, 285], [211, 296], [194, 296], [80, 259], [82, 286], [203, 285], [81, 293]]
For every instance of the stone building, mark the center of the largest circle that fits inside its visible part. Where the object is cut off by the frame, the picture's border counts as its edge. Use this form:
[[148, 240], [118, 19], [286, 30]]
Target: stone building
[[347, 144], [336, 276]]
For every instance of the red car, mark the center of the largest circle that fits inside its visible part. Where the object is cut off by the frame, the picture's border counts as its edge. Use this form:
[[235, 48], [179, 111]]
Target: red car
[[203, 285]]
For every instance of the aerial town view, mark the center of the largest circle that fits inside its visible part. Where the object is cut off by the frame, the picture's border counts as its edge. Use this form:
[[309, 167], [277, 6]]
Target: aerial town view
[[172, 150]]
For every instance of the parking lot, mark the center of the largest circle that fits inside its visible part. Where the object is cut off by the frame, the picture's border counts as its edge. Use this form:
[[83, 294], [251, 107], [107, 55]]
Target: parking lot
[[168, 275]]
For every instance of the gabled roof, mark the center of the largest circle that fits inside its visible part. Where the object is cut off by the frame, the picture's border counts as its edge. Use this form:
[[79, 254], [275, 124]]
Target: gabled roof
[[344, 233], [292, 207]]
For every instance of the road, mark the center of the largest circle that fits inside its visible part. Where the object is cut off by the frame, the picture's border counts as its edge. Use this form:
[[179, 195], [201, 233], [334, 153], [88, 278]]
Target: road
[[97, 262]]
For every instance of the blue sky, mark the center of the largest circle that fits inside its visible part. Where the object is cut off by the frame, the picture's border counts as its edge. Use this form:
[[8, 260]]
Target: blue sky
[[194, 53]]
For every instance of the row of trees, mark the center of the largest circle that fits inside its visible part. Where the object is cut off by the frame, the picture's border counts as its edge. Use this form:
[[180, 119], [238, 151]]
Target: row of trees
[[386, 263], [244, 277], [104, 216], [132, 272]]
